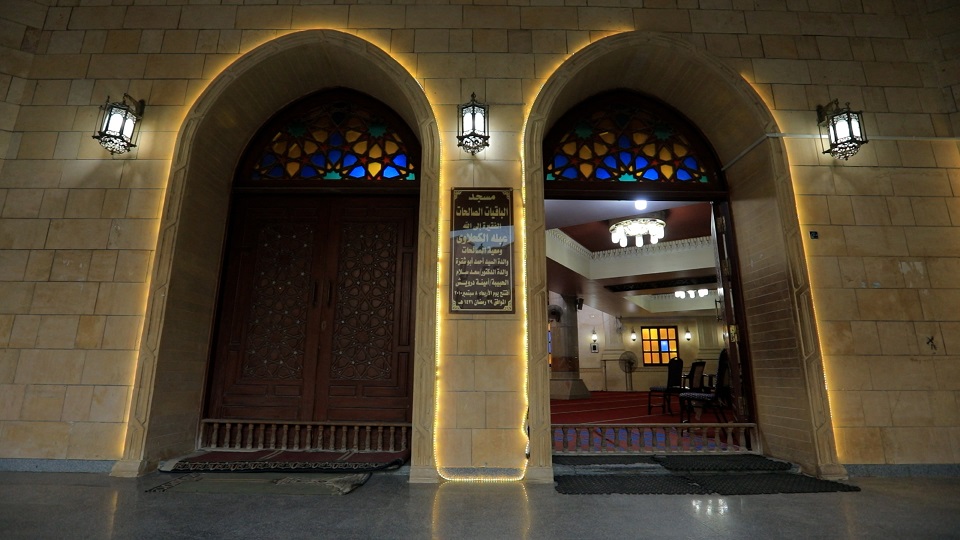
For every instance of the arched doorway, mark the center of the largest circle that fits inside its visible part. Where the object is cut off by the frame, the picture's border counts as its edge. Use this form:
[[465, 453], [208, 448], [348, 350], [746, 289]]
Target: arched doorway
[[792, 409], [316, 315], [177, 336], [603, 156]]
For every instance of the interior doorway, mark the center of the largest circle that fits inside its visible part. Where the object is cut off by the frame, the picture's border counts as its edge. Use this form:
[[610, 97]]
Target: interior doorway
[[681, 287]]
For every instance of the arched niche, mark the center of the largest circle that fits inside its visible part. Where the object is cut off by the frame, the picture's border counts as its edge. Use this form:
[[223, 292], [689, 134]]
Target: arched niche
[[743, 133], [174, 349]]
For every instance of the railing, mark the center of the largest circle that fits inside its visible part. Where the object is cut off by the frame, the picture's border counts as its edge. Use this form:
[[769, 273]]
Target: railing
[[655, 438], [329, 436]]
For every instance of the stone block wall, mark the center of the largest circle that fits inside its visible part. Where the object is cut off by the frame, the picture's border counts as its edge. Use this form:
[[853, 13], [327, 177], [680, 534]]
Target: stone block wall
[[78, 228]]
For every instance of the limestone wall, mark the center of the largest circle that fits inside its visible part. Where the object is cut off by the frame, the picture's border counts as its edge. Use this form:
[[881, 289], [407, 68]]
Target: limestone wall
[[78, 228]]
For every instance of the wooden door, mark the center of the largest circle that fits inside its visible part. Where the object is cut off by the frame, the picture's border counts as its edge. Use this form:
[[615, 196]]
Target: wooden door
[[729, 309], [317, 310]]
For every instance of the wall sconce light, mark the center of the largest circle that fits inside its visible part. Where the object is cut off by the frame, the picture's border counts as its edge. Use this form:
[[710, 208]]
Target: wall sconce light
[[473, 136], [119, 124], [687, 335], [843, 129], [633, 335], [593, 336]]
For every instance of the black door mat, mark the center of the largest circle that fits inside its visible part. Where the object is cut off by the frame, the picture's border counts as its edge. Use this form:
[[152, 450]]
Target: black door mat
[[766, 483], [720, 463], [627, 484], [604, 460]]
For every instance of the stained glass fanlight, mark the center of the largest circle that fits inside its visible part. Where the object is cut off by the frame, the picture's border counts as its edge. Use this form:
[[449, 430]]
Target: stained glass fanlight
[[348, 138], [624, 138]]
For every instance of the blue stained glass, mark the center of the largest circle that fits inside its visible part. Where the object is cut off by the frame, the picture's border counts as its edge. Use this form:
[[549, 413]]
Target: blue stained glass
[[664, 345], [615, 135], [337, 140]]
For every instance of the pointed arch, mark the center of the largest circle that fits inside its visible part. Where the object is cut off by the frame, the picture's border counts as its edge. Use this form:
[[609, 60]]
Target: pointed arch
[[737, 123], [174, 348]]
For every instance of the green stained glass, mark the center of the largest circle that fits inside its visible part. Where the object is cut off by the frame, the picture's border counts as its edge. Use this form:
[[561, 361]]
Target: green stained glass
[[624, 137], [345, 137]]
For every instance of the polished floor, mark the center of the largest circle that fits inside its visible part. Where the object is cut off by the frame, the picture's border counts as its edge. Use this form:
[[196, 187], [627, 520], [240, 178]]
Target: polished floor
[[77, 505]]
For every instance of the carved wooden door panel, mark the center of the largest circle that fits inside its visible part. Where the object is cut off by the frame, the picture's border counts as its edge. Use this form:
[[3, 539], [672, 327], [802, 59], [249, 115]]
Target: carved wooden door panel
[[366, 357], [316, 312]]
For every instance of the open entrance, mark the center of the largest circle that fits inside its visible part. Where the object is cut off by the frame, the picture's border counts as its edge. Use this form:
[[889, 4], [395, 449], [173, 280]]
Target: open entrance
[[638, 274], [314, 340]]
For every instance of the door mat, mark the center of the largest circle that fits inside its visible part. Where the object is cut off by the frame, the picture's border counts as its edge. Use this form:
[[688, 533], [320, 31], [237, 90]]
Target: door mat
[[767, 483], [286, 461], [264, 484], [718, 463], [604, 460]]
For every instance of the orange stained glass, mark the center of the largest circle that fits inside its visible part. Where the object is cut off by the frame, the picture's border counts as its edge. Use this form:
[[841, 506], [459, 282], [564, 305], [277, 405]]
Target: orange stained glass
[[659, 344]]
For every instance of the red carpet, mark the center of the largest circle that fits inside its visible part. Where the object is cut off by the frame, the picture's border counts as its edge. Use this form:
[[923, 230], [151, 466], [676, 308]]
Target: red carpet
[[616, 408]]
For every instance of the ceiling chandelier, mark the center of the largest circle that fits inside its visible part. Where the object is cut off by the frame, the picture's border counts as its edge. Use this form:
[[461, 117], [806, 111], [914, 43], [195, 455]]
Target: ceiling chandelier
[[684, 294], [621, 231]]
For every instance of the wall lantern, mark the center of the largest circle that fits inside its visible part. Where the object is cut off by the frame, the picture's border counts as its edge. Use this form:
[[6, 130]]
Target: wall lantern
[[119, 124], [594, 337], [633, 335], [842, 127], [687, 335], [473, 135]]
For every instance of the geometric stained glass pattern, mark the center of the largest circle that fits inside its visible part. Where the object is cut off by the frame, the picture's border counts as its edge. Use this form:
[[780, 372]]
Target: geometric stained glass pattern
[[337, 140], [617, 140]]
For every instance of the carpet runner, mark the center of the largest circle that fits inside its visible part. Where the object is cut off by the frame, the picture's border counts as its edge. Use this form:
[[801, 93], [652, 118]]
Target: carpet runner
[[616, 408], [264, 483], [286, 461]]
